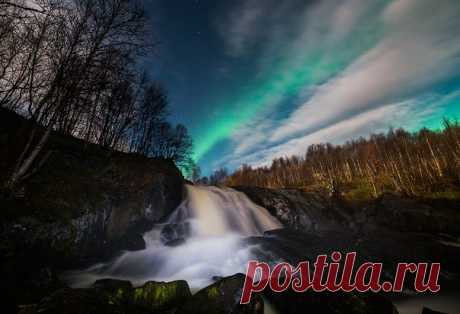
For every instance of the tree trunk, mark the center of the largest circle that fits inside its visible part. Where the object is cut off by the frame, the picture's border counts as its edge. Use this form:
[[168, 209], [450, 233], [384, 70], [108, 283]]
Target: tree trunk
[[26, 165]]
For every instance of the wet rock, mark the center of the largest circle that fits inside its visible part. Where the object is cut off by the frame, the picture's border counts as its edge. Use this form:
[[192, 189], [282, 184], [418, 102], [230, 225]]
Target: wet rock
[[175, 242], [317, 211], [152, 296], [173, 232], [113, 296], [160, 296], [222, 297], [299, 210], [129, 242], [117, 292], [430, 311]]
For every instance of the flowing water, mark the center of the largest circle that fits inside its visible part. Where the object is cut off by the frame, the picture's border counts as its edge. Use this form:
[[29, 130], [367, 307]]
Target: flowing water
[[206, 230], [202, 239]]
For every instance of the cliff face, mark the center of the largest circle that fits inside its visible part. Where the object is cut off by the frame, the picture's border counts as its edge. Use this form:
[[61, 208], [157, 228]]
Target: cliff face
[[85, 204]]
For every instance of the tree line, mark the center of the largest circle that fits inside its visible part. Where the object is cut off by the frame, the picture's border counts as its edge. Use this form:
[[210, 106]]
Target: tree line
[[413, 164], [217, 177], [71, 66]]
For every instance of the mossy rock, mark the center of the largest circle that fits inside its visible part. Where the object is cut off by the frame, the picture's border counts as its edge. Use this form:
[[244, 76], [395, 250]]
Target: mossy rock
[[222, 297], [113, 296], [117, 292], [159, 296]]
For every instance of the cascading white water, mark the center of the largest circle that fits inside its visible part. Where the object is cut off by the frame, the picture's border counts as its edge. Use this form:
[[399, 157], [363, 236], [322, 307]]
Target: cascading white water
[[214, 219], [219, 211]]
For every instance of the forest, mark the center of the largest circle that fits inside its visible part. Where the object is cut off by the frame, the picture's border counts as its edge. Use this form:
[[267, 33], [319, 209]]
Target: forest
[[421, 164], [71, 67]]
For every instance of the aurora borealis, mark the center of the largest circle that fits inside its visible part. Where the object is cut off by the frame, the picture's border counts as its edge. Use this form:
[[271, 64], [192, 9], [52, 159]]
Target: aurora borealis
[[254, 80]]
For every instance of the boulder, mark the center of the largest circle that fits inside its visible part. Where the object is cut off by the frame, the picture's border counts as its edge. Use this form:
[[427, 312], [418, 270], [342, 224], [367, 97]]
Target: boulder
[[159, 296], [222, 297], [113, 296], [152, 296], [117, 292], [173, 232], [132, 241]]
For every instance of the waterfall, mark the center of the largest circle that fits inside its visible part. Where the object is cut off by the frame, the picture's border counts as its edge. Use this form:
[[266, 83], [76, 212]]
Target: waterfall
[[219, 211], [201, 240]]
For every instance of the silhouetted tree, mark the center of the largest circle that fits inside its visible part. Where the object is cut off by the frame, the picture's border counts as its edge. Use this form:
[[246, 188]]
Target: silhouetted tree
[[218, 176]]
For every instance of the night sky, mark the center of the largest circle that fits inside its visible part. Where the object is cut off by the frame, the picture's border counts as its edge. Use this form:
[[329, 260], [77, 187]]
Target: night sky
[[254, 80]]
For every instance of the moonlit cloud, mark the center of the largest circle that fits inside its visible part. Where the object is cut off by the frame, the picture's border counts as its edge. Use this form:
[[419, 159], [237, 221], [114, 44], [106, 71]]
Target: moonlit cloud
[[311, 45], [243, 30], [366, 65], [411, 58], [409, 114]]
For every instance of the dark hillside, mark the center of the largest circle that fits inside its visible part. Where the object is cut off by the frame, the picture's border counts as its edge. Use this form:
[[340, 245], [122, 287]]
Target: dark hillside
[[85, 203]]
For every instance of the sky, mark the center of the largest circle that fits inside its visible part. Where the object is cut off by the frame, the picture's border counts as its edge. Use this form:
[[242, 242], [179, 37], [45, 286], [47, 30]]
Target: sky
[[256, 80]]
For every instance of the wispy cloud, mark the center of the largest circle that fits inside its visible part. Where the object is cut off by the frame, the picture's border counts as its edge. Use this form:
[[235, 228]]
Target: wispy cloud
[[253, 23], [368, 65], [410, 114], [297, 53], [421, 48]]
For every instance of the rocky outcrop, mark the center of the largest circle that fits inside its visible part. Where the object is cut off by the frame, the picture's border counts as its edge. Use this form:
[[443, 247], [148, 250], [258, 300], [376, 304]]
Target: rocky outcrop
[[85, 204], [118, 296], [316, 211], [175, 233], [109, 215], [151, 297], [308, 211], [222, 297], [160, 296], [114, 296], [86, 201]]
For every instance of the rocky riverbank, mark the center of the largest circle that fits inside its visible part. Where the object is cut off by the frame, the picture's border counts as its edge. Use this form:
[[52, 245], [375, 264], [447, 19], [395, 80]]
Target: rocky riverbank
[[390, 229], [116, 296], [85, 204], [317, 211]]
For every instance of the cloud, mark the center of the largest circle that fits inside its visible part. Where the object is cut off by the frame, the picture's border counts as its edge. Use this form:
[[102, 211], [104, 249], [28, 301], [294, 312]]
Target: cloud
[[421, 48], [241, 28], [409, 114], [311, 31], [365, 66]]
